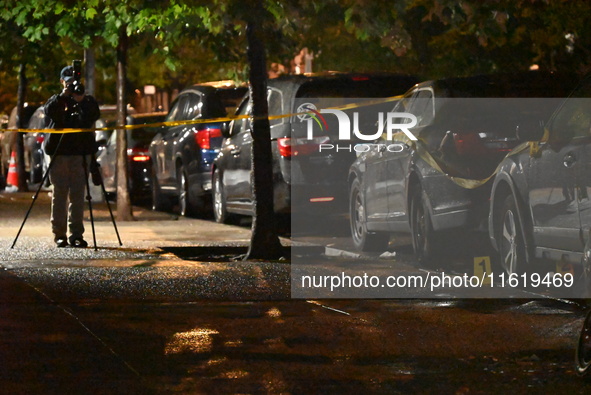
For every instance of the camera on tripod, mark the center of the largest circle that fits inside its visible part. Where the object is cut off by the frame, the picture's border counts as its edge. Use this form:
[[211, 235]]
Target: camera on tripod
[[76, 86]]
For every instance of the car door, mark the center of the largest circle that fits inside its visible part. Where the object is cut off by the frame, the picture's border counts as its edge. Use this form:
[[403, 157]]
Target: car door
[[377, 176], [237, 152], [582, 134], [184, 140], [165, 145], [399, 157], [558, 177]]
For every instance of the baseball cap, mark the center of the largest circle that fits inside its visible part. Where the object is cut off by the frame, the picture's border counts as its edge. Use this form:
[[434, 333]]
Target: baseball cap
[[67, 73]]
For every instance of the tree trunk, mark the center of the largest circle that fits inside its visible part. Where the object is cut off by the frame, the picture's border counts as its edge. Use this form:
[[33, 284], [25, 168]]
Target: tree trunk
[[264, 242], [124, 210], [19, 145]]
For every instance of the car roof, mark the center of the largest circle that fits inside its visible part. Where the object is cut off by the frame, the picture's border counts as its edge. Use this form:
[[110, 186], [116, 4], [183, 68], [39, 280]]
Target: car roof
[[379, 84], [519, 84]]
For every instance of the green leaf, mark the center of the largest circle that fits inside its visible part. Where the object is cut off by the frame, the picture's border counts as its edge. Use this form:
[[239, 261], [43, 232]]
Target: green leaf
[[170, 64], [90, 13]]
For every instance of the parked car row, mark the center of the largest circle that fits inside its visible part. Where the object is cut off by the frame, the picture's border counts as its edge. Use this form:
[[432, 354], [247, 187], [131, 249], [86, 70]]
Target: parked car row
[[182, 155], [465, 127], [305, 179], [507, 154], [138, 158]]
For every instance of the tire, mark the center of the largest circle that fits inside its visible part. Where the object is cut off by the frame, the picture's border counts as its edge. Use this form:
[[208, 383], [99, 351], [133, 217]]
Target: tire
[[159, 201], [220, 213], [510, 243], [362, 239], [425, 241], [583, 353], [185, 208]]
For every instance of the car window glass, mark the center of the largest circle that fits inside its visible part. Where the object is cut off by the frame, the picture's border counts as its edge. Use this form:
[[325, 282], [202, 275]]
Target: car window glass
[[177, 108], [113, 139], [194, 107], [422, 107], [573, 119], [275, 99], [240, 124]]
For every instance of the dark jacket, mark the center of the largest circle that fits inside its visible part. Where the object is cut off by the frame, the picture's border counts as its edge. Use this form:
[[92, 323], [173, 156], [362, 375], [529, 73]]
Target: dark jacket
[[65, 112]]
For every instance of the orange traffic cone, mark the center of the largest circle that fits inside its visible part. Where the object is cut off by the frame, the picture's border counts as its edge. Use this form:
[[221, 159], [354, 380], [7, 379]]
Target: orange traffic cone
[[12, 178]]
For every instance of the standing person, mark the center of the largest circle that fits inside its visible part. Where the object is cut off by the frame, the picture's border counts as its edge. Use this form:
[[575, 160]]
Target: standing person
[[71, 155]]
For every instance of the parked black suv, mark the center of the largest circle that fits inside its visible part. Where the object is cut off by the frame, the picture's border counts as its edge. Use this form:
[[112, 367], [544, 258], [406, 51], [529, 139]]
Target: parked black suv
[[305, 179], [540, 205], [182, 154], [440, 183]]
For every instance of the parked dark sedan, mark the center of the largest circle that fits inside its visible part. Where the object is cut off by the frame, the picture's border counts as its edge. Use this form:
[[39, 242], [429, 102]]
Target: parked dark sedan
[[182, 155], [306, 180], [138, 158], [540, 206], [440, 183]]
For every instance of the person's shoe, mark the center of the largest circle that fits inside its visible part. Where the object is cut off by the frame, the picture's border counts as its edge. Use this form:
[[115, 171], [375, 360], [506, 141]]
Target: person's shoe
[[78, 243], [61, 242]]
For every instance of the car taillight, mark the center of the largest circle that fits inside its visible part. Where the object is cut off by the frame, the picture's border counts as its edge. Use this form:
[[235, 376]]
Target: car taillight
[[474, 144], [300, 146], [40, 139], [284, 147], [138, 155], [469, 144], [203, 137]]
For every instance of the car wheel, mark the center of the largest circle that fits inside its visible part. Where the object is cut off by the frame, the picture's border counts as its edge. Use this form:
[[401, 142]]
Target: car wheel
[[510, 241], [583, 353], [220, 213], [362, 239], [425, 240], [159, 201], [186, 207]]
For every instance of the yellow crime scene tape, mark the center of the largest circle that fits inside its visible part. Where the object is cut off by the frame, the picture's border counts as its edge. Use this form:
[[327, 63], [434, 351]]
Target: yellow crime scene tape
[[418, 145]]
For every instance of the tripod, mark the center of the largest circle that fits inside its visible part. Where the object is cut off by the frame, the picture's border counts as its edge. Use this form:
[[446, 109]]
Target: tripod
[[46, 175], [97, 179]]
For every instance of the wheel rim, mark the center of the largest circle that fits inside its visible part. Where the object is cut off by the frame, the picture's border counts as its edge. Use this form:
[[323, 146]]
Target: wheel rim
[[509, 243], [217, 196], [420, 228], [584, 347], [357, 216]]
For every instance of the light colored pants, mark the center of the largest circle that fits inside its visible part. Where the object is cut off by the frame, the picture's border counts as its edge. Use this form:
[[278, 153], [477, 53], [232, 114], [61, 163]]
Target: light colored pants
[[68, 178]]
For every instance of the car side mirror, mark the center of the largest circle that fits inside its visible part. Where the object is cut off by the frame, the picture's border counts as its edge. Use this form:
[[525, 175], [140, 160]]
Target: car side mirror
[[530, 131]]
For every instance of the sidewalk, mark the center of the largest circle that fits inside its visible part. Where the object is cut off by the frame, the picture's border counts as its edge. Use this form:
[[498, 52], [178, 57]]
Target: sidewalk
[[45, 347]]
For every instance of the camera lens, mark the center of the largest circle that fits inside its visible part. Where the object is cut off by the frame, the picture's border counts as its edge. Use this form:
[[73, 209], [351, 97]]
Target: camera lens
[[77, 88]]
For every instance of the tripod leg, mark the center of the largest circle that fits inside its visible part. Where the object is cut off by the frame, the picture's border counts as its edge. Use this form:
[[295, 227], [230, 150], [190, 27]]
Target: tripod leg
[[45, 176], [32, 203], [110, 211], [89, 198]]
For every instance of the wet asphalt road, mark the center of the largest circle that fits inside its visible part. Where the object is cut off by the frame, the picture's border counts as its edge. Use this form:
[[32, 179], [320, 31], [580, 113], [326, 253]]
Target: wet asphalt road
[[155, 317]]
